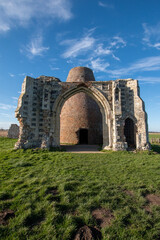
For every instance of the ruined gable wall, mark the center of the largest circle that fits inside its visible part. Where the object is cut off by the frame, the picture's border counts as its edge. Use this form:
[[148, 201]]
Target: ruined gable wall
[[130, 105], [37, 112]]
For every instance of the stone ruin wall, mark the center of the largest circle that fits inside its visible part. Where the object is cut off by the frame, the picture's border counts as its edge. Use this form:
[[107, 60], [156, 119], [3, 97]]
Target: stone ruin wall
[[13, 131], [37, 112]]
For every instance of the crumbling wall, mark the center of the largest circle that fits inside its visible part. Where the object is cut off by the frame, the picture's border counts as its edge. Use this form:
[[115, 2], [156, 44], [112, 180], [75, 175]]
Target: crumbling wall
[[42, 98], [13, 131]]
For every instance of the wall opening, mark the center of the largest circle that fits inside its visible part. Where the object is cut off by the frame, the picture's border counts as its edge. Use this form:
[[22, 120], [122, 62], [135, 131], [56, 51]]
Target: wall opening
[[81, 121], [83, 136], [117, 94], [129, 132]]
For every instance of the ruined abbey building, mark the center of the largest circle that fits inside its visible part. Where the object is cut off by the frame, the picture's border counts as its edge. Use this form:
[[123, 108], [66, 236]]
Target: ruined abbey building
[[81, 111]]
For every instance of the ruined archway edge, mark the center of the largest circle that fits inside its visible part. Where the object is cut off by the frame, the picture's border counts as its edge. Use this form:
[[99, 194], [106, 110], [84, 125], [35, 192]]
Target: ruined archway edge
[[102, 103], [42, 98]]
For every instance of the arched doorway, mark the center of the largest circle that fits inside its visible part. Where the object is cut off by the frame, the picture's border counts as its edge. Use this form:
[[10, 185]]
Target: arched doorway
[[129, 132], [99, 98]]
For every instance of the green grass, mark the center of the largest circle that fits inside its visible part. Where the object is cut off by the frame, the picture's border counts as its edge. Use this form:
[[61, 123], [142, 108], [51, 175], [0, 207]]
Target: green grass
[[156, 145], [154, 135], [82, 182]]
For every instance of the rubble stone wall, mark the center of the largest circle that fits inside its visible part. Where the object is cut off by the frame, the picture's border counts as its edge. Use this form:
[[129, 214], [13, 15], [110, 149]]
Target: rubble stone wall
[[13, 131]]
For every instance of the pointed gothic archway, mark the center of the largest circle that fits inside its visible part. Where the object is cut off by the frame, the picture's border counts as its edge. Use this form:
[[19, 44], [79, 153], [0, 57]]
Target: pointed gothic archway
[[100, 100]]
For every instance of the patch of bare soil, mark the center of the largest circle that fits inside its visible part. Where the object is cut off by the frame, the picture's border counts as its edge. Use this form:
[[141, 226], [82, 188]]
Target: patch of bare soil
[[102, 216], [153, 199], [5, 216], [88, 233], [129, 193], [53, 191], [3, 133], [148, 209]]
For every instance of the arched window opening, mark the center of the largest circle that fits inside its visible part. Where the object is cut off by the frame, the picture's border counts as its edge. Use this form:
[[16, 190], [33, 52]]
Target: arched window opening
[[117, 94], [129, 132]]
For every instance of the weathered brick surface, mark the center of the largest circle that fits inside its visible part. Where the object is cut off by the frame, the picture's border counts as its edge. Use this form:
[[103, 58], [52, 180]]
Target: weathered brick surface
[[41, 101], [80, 112]]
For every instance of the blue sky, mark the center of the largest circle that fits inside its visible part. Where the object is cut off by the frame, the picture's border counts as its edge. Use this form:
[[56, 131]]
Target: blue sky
[[116, 39]]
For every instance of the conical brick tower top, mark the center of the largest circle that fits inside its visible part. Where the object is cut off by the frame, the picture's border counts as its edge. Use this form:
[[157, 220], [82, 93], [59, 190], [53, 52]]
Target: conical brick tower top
[[80, 74]]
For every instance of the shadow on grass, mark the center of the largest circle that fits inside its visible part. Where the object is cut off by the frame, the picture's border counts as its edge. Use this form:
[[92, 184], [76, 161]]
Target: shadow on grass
[[156, 148]]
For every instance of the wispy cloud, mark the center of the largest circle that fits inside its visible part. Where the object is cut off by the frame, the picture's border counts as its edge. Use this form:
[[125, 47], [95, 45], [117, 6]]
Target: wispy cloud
[[15, 98], [117, 42], [114, 44], [78, 46], [22, 74], [99, 65], [54, 68], [35, 47], [152, 35], [142, 65], [15, 12], [7, 106], [4, 27], [11, 75], [95, 49], [149, 79], [105, 5], [5, 115]]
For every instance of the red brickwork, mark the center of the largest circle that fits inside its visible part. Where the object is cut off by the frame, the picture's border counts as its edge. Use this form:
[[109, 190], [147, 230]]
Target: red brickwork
[[80, 112]]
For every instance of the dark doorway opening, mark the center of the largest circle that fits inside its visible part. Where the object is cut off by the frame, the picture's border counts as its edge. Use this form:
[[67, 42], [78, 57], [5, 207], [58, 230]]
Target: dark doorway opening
[[129, 132], [83, 136]]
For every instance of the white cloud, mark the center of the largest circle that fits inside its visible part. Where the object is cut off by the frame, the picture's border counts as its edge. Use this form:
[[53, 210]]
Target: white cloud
[[93, 50], [5, 115], [99, 65], [21, 12], [100, 51], [15, 98], [149, 79], [11, 75], [22, 74], [143, 65], [3, 26], [105, 5], [35, 48], [114, 44], [152, 35], [77, 46], [54, 68], [117, 42], [7, 106], [92, 46]]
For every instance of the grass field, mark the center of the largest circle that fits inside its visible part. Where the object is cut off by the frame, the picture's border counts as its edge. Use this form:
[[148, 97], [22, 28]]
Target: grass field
[[51, 195], [154, 135]]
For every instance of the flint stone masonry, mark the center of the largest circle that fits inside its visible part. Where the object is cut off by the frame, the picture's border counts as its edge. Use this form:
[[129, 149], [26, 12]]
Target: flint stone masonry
[[13, 131], [124, 120]]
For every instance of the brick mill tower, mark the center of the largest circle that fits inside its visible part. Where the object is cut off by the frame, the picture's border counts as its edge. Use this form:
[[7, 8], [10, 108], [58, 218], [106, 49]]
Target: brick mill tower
[[80, 119]]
